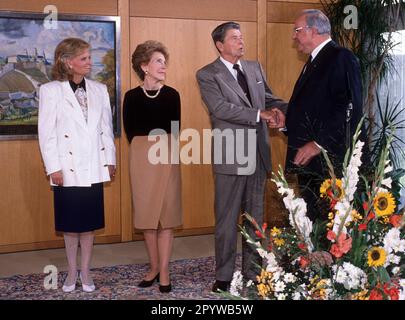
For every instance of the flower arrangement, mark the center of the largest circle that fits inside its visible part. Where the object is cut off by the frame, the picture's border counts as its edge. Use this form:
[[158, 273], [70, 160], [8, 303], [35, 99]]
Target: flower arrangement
[[358, 253]]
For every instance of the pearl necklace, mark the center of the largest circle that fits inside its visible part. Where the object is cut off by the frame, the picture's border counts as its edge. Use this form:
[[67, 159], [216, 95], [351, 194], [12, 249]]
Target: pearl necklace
[[150, 96]]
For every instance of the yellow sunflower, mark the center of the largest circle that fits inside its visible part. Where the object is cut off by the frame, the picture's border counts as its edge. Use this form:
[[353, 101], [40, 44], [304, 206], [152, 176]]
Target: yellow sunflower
[[376, 257], [275, 231], [279, 242], [333, 187], [384, 204]]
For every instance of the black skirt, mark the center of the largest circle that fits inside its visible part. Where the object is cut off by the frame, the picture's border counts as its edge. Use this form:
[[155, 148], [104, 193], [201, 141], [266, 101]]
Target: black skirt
[[79, 209]]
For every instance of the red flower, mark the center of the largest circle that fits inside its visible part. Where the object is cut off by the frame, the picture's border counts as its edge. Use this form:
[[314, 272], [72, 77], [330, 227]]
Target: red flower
[[304, 262], [370, 216], [362, 226], [333, 204], [259, 234], [342, 246], [376, 295], [395, 220], [302, 246], [331, 235], [264, 227], [365, 206], [392, 292]]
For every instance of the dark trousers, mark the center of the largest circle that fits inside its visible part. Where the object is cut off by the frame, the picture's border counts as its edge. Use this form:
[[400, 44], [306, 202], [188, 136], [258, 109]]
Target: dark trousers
[[309, 188]]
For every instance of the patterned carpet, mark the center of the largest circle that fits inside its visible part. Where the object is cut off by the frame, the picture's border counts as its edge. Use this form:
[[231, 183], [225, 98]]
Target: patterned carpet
[[192, 279]]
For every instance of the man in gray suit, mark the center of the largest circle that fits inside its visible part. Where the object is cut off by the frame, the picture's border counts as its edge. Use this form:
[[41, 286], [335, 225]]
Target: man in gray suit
[[239, 102]]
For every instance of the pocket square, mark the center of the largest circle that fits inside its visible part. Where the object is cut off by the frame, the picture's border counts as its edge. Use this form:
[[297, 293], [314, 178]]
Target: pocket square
[[259, 82]]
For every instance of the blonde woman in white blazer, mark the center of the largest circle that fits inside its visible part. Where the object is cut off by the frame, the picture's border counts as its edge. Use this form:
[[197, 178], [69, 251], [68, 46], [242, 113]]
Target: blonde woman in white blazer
[[77, 146]]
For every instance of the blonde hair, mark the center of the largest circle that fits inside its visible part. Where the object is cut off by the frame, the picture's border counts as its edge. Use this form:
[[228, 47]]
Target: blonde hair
[[66, 49]]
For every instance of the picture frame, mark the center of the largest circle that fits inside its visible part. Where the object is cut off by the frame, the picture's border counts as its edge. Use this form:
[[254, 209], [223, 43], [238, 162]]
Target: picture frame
[[27, 48]]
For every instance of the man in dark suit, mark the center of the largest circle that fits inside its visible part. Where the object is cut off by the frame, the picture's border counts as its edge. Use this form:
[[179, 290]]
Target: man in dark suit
[[319, 109], [237, 96]]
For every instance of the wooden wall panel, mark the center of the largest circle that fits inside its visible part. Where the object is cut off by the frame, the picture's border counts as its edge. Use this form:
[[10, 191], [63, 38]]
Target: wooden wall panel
[[89, 7], [26, 199], [190, 48], [125, 204], [284, 65], [238, 10], [286, 11]]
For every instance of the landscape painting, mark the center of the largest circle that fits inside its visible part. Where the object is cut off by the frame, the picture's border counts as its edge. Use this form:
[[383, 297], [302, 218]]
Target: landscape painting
[[26, 58]]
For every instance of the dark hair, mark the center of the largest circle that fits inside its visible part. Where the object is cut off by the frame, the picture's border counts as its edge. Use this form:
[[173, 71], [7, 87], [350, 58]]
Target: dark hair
[[66, 49], [143, 53], [218, 34]]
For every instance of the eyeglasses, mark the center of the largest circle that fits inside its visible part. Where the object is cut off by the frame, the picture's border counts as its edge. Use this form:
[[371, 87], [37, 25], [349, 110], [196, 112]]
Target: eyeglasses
[[296, 30]]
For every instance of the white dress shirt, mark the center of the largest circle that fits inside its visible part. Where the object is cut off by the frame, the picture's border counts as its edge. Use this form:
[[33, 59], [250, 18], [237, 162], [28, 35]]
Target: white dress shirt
[[315, 52], [234, 73]]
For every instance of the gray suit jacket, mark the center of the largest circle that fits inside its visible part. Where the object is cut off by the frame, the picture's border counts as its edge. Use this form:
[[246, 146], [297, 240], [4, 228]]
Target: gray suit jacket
[[232, 115]]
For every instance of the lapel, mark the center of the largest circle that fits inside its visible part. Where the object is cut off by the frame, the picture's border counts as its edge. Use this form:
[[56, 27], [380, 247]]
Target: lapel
[[227, 77], [73, 104], [94, 105], [312, 68]]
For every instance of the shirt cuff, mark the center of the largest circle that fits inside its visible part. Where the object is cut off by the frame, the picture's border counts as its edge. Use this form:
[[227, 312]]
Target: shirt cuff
[[258, 116], [318, 146]]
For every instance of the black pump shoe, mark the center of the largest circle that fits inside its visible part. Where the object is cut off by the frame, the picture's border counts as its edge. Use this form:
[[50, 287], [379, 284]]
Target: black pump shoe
[[148, 283], [165, 289]]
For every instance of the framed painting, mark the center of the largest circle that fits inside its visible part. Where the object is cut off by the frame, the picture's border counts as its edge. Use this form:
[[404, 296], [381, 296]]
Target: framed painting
[[27, 48]]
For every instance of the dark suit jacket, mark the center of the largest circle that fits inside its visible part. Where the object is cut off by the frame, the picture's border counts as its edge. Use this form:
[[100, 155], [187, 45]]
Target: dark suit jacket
[[317, 108], [231, 112]]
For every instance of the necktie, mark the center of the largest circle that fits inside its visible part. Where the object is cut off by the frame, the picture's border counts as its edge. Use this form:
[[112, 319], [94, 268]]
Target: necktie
[[242, 81]]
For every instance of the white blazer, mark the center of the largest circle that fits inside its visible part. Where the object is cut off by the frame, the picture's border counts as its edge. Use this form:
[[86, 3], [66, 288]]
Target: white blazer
[[81, 150]]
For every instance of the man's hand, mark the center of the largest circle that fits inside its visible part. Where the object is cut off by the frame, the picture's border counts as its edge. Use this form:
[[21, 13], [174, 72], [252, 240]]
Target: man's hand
[[306, 153], [57, 178], [279, 117], [274, 118], [266, 115]]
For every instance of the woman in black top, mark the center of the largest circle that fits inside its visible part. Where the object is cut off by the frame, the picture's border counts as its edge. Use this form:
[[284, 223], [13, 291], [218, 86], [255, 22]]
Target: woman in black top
[[150, 112]]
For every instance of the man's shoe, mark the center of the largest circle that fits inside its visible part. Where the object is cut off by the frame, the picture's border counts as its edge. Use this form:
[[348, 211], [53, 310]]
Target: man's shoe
[[220, 285]]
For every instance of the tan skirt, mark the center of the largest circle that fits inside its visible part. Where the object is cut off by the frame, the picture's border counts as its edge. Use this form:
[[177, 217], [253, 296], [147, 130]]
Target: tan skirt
[[156, 188]]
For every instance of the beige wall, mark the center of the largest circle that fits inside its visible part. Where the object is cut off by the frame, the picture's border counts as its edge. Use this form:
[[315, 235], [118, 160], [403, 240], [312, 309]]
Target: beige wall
[[184, 26]]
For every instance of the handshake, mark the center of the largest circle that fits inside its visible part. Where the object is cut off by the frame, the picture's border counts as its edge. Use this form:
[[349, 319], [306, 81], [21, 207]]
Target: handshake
[[274, 117]]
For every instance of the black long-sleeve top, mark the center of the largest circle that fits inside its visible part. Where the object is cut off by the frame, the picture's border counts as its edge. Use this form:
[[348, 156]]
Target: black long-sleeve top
[[142, 114]]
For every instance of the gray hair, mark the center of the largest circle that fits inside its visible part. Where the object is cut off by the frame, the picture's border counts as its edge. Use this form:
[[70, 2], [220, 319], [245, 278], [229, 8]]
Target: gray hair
[[318, 20]]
